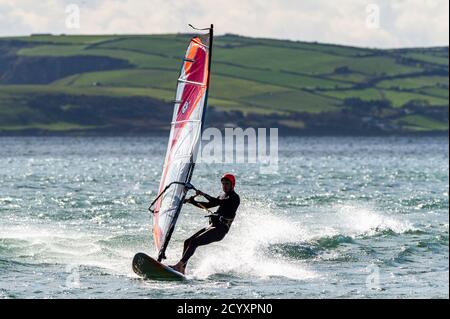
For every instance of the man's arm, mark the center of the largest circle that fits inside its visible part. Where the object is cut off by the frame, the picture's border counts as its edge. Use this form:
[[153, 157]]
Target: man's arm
[[212, 201], [203, 204]]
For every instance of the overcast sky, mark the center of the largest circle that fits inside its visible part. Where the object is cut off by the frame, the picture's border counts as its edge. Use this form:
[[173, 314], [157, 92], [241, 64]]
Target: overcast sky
[[368, 23]]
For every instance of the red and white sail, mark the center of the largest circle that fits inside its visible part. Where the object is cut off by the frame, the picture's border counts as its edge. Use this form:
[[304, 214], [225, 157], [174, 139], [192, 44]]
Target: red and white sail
[[184, 140]]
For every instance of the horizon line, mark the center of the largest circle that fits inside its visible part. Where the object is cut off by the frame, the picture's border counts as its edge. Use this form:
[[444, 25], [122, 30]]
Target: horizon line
[[226, 34]]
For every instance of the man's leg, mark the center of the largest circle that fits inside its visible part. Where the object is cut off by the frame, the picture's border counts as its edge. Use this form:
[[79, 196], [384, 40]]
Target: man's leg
[[211, 234], [180, 266], [187, 241]]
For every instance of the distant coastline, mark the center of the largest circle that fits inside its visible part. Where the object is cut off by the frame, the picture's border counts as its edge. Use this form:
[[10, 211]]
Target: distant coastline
[[125, 85]]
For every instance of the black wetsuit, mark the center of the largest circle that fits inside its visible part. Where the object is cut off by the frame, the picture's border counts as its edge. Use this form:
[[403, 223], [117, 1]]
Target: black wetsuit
[[219, 223]]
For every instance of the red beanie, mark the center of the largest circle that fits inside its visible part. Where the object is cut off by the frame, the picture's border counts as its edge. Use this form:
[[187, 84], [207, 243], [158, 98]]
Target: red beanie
[[231, 178]]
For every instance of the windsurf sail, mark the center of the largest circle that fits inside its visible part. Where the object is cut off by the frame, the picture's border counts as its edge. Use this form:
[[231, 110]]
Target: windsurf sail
[[184, 139]]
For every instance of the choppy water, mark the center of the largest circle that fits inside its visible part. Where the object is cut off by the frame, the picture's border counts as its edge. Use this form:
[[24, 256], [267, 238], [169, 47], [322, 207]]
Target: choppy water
[[343, 218]]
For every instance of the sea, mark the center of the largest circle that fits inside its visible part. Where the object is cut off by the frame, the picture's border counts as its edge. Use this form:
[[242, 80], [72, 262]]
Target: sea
[[339, 217]]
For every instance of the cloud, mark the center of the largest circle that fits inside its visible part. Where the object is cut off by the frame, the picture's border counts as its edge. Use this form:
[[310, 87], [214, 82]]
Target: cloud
[[401, 22]]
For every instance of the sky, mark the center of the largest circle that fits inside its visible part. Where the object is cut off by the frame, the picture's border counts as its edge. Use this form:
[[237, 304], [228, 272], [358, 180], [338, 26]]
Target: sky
[[362, 23]]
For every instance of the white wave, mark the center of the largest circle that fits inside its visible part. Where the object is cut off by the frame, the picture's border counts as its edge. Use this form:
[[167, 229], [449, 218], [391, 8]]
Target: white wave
[[353, 220], [256, 227], [242, 251], [356, 219], [63, 244]]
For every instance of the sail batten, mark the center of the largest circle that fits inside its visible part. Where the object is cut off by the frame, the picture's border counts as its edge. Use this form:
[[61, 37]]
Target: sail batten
[[192, 82], [185, 121], [184, 139]]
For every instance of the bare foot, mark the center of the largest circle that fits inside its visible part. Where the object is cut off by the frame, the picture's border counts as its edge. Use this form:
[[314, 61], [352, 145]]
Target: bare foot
[[180, 267]]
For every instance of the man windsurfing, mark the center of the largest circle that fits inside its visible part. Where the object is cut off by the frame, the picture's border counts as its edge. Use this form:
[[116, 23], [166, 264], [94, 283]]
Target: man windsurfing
[[219, 222]]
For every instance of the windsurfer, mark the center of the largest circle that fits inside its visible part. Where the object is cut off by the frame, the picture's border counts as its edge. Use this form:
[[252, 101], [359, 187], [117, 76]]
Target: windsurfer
[[219, 222]]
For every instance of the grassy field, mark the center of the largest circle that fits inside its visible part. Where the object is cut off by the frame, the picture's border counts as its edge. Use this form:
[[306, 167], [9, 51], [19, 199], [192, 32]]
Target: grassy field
[[415, 82], [294, 101], [399, 99], [421, 123], [52, 127], [365, 94], [441, 92], [250, 75], [429, 58]]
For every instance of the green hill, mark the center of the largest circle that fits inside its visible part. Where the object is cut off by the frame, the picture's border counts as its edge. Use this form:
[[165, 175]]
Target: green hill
[[116, 84]]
